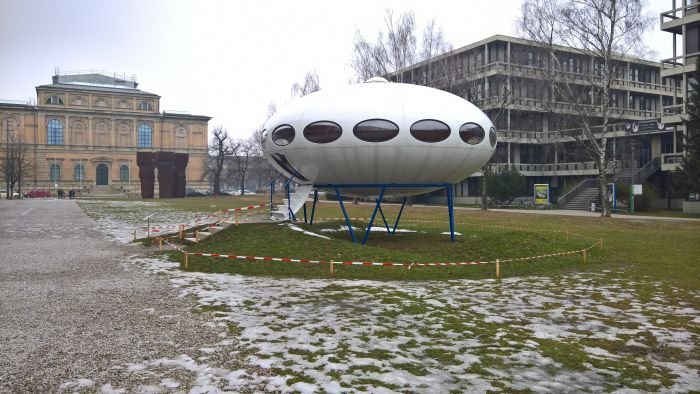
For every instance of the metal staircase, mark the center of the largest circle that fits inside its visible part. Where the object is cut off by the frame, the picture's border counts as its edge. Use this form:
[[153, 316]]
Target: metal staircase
[[298, 198]]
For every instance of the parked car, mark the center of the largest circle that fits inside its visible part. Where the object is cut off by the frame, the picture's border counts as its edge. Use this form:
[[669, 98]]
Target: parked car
[[37, 194], [246, 192], [194, 193], [3, 195]]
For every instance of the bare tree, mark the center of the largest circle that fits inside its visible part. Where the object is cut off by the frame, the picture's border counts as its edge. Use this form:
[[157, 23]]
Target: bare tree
[[396, 47], [15, 165], [242, 158], [602, 32], [311, 84], [221, 146], [496, 106]]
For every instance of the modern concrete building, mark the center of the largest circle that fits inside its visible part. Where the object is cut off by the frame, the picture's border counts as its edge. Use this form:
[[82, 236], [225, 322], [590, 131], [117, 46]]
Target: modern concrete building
[[532, 124], [683, 22], [85, 129]]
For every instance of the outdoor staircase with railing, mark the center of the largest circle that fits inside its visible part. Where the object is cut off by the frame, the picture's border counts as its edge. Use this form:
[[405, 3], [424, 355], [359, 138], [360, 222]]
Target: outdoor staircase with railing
[[585, 192], [298, 198]]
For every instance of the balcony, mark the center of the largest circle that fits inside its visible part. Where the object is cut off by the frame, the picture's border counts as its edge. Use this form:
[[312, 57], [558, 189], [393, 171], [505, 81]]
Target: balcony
[[672, 21], [553, 169], [672, 114], [679, 65], [671, 161], [530, 104], [585, 79], [558, 136]]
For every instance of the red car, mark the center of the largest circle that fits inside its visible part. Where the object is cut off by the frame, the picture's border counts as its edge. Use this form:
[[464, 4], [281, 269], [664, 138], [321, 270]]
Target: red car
[[37, 193]]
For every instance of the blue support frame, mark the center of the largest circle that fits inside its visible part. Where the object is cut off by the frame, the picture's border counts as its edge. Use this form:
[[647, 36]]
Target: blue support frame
[[347, 220], [399, 216], [272, 187], [313, 207], [371, 220], [383, 218], [292, 217], [383, 187]]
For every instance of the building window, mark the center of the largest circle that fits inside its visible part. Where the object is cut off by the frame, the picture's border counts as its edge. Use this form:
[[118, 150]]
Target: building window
[[55, 132], [323, 132], [124, 173], [145, 106], [54, 100], [55, 173], [430, 130], [145, 136], [283, 135], [101, 175], [79, 172], [375, 130], [471, 133]]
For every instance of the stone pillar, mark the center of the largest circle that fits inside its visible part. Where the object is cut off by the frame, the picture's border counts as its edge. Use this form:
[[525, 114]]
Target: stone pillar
[[145, 161], [181, 160], [165, 162]]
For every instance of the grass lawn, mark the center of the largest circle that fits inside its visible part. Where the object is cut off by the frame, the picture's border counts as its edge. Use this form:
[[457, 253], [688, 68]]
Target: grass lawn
[[659, 249], [627, 319]]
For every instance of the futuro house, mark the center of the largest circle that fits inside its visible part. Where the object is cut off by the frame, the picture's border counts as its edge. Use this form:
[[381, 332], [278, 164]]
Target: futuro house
[[379, 133]]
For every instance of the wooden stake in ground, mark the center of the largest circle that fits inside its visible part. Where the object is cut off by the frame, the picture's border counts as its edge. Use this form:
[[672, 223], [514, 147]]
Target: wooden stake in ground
[[498, 269], [186, 260], [134, 234], [196, 239], [182, 231], [331, 268], [584, 255], [160, 243], [235, 216]]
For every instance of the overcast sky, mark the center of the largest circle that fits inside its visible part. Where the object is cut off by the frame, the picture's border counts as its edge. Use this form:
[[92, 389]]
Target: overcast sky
[[225, 59]]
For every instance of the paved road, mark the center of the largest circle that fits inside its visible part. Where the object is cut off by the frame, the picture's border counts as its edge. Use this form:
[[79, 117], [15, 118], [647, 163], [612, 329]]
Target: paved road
[[74, 313]]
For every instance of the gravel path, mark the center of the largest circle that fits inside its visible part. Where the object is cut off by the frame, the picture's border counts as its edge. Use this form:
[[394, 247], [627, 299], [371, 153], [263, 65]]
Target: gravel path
[[76, 314]]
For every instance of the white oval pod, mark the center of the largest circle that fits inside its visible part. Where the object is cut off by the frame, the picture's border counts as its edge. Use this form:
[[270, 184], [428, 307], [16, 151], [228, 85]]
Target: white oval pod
[[363, 136]]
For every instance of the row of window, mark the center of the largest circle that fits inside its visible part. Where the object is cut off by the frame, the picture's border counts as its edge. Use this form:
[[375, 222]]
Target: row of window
[[143, 105], [79, 172], [55, 134], [382, 130]]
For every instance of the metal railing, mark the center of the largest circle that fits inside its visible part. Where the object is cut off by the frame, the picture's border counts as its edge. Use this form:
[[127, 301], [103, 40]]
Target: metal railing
[[584, 184], [671, 158], [679, 12], [547, 105]]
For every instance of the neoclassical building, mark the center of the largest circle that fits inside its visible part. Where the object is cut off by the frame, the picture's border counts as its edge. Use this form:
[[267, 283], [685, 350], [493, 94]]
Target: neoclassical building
[[85, 129]]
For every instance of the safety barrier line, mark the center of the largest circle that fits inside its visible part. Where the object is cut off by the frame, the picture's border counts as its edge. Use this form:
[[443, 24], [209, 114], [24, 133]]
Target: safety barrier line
[[363, 263], [391, 264], [194, 222]]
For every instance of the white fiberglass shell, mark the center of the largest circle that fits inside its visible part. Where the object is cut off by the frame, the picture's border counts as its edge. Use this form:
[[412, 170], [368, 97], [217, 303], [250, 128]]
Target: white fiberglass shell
[[403, 159]]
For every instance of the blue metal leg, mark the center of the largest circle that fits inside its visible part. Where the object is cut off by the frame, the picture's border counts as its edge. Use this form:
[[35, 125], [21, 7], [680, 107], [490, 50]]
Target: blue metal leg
[[292, 217], [313, 206], [305, 221], [399, 217], [384, 218], [450, 207], [347, 219], [371, 220]]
